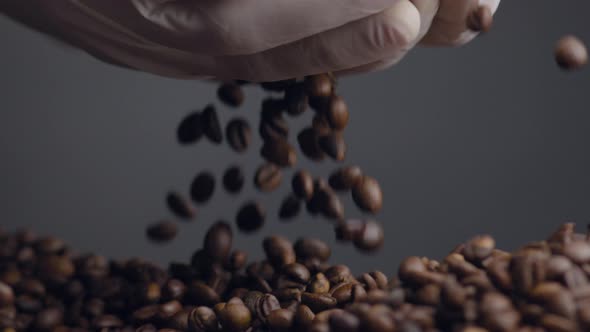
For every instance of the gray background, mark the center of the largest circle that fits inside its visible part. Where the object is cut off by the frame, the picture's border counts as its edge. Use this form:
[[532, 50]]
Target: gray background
[[488, 138]]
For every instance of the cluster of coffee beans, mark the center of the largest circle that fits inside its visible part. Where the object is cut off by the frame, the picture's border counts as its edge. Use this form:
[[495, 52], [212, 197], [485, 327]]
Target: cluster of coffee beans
[[543, 286], [320, 140]]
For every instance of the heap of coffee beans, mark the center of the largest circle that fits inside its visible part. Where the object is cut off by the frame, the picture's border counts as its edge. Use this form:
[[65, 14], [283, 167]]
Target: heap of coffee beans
[[322, 139], [543, 286]]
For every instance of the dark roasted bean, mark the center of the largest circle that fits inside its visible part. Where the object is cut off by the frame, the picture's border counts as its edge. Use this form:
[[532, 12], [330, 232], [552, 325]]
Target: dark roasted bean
[[337, 113], [367, 194], [190, 129], [302, 185], [211, 125], [233, 179], [290, 207], [308, 140], [250, 217], [333, 145], [345, 178], [280, 320], [279, 152], [571, 53], [180, 206], [279, 251], [231, 94], [218, 241], [371, 237], [6, 295], [296, 99], [163, 231], [306, 248], [268, 177], [238, 134], [202, 187]]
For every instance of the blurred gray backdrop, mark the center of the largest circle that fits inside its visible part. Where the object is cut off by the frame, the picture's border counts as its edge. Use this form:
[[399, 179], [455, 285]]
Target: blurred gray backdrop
[[487, 138]]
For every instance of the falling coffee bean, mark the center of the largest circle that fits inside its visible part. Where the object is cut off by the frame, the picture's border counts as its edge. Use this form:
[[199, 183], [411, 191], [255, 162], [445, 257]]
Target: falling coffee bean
[[480, 19], [370, 237], [319, 85], [180, 206], [296, 99], [571, 53], [302, 185], [233, 179], [211, 125], [203, 187], [163, 231], [268, 177], [333, 145], [289, 207], [345, 178], [279, 152], [250, 217], [231, 94], [337, 113], [239, 134], [367, 194], [330, 205], [190, 129], [218, 241], [308, 140]]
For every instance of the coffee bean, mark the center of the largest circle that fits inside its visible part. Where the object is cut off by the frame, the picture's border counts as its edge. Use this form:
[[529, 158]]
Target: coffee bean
[[367, 194], [296, 99], [319, 85], [190, 129], [330, 205], [349, 230], [211, 125], [168, 310], [180, 206], [344, 322], [268, 177], [48, 319], [106, 322], [302, 185], [303, 317], [345, 178], [290, 207], [202, 319], [479, 248], [333, 145], [273, 129], [164, 231], [174, 289], [279, 251], [266, 304], [337, 113], [49, 246], [203, 187], [307, 248], [308, 140], [577, 251], [239, 134], [237, 260], [200, 294], [370, 238], [231, 94], [279, 152], [280, 320], [6, 295], [250, 217], [218, 241], [571, 53], [318, 302], [480, 19], [233, 179]]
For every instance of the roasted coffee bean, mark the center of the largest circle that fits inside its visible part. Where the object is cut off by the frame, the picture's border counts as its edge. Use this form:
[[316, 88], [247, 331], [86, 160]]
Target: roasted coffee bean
[[296, 99], [266, 304], [250, 217], [179, 322], [211, 125], [303, 317], [279, 251], [169, 309], [203, 187], [190, 129], [233, 179], [344, 321], [280, 320], [231, 94], [202, 319], [180, 206], [318, 302], [164, 231], [367, 194], [268, 177], [48, 319], [106, 322], [302, 185], [480, 19], [333, 145], [174, 289], [571, 53], [273, 125], [345, 178], [308, 140], [479, 248], [307, 248], [6, 295], [370, 238], [238, 134], [319, 284], [330, 205], [237, 260], [349, 230], [577, 251], [290, 207], [319, 85], [337, 113], [49, 246], [296, 272], [218, 241], [279, 152], [200, 294]]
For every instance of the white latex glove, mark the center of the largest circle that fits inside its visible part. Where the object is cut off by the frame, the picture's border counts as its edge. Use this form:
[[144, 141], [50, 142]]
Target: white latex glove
[[254, 40]]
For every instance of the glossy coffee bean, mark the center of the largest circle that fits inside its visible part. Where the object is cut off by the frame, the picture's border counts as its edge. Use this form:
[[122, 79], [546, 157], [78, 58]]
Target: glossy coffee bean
[[337, 113], [302, 185], [238, 134], [308, 140], [367, 194], [371, 237], [279, 251], [345, 178], [279, 152], [319, 85], [218, 241]]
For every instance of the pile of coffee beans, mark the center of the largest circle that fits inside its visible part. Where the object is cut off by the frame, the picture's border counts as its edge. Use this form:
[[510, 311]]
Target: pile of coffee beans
[[543, 286], [321, 140]]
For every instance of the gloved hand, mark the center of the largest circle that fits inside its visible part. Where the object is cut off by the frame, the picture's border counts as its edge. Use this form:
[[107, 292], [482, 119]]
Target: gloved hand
[[254, 40]]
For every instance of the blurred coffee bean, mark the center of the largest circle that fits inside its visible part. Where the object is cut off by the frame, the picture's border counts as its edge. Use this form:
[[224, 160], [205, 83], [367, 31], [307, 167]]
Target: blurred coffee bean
[[190, 129], [571, 53], [307, 248], [371, 237], [211, 125], [163, 231], [279, 152], [279, 251], [330, 205], [6, 295], [333, 145], [231, 94], [308, 140], [479, 248], [337, 113], [250, 217], [319, 85], [203, 187], [180, 206], [296, 99], [268, 177], [238, 134], [233, 179], [290, 207], [367, 194], [345, 178], [218, 241], [302, 185]]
